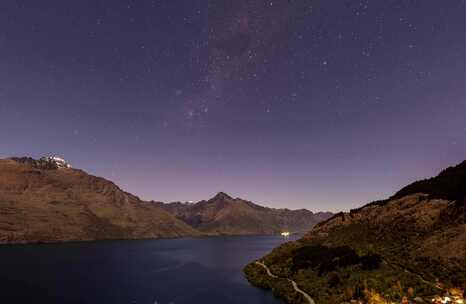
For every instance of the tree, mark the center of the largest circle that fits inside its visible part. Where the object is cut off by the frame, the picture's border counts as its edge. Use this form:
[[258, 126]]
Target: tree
[[334, 280]]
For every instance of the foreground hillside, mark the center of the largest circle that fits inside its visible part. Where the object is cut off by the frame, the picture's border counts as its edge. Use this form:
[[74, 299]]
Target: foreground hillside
[[409, 247], [41, 202], [223, 214]]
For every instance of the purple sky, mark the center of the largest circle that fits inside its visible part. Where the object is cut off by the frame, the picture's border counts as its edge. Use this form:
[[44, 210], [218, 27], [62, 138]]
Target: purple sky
[[322, 104]]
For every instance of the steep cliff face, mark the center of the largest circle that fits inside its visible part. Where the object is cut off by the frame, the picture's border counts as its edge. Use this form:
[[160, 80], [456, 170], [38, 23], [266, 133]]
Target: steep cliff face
[[411, 241], [223, 214], [41, 203]]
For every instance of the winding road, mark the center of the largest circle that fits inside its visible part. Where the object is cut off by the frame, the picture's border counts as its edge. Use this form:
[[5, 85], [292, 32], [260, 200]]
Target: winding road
[[295, 286]]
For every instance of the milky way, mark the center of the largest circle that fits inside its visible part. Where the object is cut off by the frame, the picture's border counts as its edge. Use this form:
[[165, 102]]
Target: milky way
[[317, 104]]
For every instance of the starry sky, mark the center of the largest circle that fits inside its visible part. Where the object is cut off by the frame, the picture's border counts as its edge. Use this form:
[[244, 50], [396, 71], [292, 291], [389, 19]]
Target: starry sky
[[318, 104]]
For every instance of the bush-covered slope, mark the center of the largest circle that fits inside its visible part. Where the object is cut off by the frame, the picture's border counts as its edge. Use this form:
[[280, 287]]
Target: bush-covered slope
[[450, 185], [418, 236]]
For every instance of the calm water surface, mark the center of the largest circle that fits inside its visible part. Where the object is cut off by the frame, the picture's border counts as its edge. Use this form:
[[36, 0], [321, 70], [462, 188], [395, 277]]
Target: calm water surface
[[204, 270]]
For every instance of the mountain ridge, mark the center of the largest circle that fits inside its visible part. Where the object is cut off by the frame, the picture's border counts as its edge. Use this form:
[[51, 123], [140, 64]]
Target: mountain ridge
[[224, 214]]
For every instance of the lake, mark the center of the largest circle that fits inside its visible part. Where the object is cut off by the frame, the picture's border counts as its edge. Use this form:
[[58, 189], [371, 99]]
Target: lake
[[188, 270]]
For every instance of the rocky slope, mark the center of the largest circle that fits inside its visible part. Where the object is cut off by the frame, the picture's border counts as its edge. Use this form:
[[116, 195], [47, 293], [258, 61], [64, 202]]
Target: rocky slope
[[41, 202], [411, 245], [223, 214]]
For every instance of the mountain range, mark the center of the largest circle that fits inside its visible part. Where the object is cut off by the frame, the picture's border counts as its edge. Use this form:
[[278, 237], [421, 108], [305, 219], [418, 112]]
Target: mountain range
[[45, 201], [223, 214], [406, 248]]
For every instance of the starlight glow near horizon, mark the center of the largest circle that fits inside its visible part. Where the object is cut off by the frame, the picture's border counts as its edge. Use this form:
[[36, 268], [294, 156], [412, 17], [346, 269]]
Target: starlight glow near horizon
[[324, 105]]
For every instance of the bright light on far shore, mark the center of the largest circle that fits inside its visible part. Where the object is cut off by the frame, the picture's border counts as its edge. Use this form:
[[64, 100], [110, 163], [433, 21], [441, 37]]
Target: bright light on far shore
[[285, 233]]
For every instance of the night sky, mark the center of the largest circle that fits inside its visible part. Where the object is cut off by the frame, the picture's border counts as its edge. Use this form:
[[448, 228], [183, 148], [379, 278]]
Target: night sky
[[318, 104]]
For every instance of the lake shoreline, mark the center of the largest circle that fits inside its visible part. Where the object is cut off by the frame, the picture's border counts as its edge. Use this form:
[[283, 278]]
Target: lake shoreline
[[138, 239]]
